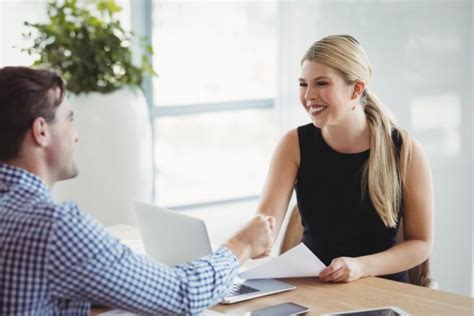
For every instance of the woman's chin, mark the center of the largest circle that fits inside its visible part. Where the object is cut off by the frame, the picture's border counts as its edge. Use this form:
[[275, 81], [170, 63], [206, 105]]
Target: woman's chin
[[318, 123]]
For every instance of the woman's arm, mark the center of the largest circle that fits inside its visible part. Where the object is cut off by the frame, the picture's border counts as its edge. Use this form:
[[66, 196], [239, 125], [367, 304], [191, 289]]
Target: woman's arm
[[418, 223], [280, 179]]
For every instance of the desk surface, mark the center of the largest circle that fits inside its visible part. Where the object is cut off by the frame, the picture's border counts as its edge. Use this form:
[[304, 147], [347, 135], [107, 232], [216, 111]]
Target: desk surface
[[364, 293]]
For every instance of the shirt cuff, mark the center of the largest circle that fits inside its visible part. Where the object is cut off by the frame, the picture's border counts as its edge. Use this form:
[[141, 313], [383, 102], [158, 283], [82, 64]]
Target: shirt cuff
[[226, 253]]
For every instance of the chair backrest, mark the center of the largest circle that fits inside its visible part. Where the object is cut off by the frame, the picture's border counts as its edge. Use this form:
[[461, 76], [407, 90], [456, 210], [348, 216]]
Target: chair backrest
[[294, 231], [419, 275]]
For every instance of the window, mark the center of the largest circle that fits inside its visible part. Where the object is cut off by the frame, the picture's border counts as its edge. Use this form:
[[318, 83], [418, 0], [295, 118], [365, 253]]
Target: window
[[214, 124], [214, 51]]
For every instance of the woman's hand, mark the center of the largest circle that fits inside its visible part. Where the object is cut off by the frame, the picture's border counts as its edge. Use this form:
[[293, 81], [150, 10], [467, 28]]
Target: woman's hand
[[342, 269]]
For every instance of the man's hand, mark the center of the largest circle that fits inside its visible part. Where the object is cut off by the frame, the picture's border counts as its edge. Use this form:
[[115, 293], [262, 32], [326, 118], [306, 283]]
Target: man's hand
[[254, 240]]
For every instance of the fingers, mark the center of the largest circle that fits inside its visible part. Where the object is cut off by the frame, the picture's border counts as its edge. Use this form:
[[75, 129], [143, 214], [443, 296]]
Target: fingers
[[334, 266], [343, 278], [263, 255], [337, 276], [255, 240], [260, 235], [336, 272], [342, 269], [271, 222]]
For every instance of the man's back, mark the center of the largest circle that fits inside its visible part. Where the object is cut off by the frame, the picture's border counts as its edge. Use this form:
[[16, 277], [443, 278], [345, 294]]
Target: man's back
[[27, 220]]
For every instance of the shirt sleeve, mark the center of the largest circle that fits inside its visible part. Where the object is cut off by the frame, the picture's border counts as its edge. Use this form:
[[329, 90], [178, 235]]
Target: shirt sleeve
[[85, 262]]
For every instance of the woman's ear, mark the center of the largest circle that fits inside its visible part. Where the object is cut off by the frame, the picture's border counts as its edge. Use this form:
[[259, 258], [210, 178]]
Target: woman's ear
[[359, 87]]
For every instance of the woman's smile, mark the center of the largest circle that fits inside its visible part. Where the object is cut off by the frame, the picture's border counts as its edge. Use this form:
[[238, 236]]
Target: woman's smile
[[315, 110]]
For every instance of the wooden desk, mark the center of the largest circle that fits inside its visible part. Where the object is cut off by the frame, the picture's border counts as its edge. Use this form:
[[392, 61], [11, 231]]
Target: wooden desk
[[364, 293]]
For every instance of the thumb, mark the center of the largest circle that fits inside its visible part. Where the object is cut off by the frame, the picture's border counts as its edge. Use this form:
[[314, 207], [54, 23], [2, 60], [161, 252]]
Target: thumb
[[271, 222]]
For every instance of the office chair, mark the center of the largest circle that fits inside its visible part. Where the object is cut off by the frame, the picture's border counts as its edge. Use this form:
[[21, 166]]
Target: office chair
[[419, 275]]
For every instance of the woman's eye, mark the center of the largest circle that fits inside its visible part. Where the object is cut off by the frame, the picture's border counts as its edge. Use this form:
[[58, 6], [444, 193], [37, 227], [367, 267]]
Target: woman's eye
[[321, 83], [303, 84]]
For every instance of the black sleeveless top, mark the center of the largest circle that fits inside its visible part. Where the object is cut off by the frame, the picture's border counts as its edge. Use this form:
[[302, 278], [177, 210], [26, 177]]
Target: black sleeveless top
[[338, 221]]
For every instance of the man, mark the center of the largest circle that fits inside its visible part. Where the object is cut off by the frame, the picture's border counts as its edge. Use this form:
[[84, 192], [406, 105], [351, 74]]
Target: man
[[54, 259]]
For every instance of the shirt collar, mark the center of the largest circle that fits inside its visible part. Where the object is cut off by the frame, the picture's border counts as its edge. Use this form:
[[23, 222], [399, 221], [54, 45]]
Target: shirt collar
[[16, 177]]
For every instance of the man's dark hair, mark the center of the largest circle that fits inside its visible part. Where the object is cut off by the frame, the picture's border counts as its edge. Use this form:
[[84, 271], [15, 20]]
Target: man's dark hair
[[25, 95]]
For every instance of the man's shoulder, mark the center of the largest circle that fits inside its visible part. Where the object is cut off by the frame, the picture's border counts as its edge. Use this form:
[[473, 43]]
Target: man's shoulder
[[64, 209], [39, 208]]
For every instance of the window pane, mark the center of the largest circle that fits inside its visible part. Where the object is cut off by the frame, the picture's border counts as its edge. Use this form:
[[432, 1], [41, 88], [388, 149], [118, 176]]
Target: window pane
[[210, 51], [212, 156]]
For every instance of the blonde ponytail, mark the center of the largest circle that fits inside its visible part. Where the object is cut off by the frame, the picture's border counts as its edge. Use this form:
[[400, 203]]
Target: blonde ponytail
[[385, 169]]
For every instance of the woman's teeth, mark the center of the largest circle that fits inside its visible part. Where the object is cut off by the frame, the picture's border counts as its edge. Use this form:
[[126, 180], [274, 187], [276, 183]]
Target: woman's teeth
[[316, 109]]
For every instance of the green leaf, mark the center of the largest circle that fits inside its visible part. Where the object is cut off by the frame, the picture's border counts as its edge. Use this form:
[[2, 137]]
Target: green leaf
[[86, 43]]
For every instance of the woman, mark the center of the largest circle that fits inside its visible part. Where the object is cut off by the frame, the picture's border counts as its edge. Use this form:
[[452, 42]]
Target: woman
[[355, 172]]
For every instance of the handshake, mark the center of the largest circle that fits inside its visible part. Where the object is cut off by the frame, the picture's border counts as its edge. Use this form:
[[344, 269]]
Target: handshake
[[255, 240]]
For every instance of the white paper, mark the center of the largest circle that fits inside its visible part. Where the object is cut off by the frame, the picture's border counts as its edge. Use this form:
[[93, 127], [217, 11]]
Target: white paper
[[295, 263]]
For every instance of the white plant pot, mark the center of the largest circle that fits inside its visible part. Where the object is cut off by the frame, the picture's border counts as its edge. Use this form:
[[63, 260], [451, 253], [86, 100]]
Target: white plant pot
[[114, 156]]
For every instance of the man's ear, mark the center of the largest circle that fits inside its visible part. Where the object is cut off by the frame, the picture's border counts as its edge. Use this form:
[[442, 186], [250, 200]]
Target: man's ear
[[40, 132], [359, 87]]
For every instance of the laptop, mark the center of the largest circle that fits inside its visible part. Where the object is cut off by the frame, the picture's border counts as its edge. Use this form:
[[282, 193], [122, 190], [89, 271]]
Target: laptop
[[174, 238]]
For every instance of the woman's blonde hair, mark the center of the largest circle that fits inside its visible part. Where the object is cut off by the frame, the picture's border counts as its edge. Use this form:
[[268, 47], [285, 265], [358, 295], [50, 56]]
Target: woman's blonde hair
[[384, 172]]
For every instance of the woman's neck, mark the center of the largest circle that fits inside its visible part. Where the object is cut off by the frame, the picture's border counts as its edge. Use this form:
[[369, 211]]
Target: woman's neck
[[350, 136]]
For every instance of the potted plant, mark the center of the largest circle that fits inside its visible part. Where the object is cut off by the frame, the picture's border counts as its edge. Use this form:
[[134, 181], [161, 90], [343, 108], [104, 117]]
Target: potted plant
[[85, 42]]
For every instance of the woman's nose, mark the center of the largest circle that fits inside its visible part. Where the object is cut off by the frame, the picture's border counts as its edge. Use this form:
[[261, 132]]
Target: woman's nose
[[311, 94]]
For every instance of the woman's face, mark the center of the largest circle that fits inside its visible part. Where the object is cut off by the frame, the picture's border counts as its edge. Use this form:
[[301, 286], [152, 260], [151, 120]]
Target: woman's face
[[324, 94]]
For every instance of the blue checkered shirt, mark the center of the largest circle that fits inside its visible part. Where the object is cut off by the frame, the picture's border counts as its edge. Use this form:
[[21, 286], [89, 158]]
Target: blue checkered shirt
[[55, 260]]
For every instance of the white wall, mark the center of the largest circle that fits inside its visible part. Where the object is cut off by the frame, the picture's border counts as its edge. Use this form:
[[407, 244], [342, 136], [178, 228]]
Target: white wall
[[12, 28], [421, 52], [13, 13]]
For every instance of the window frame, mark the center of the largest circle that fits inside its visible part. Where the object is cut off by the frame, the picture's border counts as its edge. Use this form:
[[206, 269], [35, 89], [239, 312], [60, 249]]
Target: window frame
[[142, 23]]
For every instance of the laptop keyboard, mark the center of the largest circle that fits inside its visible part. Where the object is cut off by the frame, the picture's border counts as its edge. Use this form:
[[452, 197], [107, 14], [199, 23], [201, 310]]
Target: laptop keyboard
[[239, 289]]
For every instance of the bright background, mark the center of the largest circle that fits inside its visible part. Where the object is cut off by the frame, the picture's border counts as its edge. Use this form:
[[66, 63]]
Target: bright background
[[227, 90]]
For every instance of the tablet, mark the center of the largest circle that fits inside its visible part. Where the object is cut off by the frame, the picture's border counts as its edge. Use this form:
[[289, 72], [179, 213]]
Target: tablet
[[284, 309], [380, 311]]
